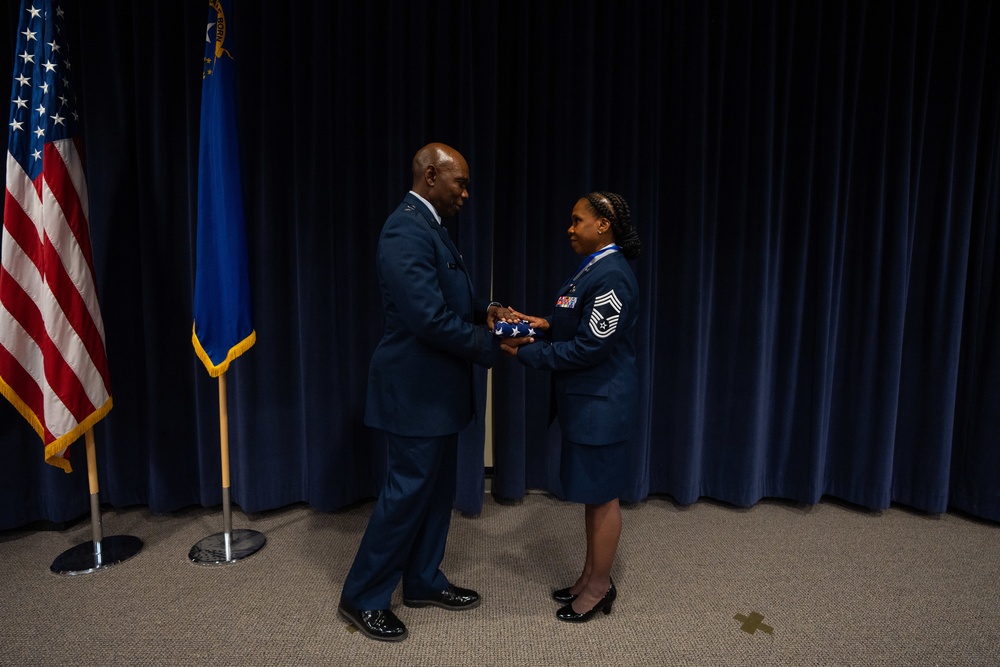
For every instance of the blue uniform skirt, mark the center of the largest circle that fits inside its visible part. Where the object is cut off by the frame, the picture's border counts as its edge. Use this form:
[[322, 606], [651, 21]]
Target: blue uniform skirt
[[593, 474]]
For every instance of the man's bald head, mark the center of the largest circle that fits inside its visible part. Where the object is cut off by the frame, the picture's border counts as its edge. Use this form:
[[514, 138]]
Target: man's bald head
[[441, 176], [436, 154]]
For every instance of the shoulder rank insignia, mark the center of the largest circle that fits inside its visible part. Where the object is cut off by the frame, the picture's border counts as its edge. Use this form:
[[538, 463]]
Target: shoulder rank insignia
[[604, 316]]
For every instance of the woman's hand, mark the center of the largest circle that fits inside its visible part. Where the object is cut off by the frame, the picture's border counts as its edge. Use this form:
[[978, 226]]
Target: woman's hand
[[536, 323]]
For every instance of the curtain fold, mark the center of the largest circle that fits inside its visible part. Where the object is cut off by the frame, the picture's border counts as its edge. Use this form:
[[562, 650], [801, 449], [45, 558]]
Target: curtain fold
[[809, 209], [815, 184]]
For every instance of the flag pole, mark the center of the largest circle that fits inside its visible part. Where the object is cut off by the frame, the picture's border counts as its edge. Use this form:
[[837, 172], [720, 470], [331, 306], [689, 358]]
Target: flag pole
[[100, 552], [230, 545]]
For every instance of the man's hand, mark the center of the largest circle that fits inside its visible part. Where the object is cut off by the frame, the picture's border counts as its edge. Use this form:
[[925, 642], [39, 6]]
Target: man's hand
[[510, 345], [497, 312]]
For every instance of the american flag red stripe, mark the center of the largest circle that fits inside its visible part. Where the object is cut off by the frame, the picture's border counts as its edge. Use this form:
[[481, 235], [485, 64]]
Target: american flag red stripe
[[58, 342], [53, 364]]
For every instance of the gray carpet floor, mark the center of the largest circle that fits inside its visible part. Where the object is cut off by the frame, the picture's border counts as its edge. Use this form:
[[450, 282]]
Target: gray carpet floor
[[706, 584]]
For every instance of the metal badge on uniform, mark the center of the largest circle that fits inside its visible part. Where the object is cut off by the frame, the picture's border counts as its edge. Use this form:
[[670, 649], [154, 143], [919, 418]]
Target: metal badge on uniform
[[410, 207], [566, 302]]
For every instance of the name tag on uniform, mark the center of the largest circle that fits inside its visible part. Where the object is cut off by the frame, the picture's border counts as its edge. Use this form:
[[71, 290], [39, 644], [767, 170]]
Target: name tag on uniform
[[566, 302]]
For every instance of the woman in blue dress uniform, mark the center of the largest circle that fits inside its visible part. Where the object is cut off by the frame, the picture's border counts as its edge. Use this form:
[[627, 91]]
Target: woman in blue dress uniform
[[590, 349]]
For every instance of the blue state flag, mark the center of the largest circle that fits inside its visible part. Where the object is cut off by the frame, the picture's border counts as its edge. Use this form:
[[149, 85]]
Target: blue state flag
[[222, 324]]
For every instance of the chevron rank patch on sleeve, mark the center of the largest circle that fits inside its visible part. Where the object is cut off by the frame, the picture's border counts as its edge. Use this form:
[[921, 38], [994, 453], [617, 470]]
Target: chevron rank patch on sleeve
[[604, 316]]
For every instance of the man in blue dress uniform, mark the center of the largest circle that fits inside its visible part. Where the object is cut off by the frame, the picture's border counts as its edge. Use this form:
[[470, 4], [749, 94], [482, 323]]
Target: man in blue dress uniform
[[420, 394]]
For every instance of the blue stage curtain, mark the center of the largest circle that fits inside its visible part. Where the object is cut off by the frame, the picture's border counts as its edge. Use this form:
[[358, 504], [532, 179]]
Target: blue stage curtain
[[816, 186], [815, 183]]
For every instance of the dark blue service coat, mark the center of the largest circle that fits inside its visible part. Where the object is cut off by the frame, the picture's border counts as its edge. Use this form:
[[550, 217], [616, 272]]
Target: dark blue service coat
[[420, 376], [591, 353]]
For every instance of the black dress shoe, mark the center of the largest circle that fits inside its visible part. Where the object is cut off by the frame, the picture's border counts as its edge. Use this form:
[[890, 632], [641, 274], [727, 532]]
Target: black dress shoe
[[453, 598], [379, 624], [604, 604], [563, 595]]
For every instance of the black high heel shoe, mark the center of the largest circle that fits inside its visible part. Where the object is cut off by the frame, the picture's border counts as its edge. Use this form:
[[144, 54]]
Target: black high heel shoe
[[563, 595], [604, 604]]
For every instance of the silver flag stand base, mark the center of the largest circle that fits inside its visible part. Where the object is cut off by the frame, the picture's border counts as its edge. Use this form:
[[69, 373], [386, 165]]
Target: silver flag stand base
[[100, 552], [218, 550], [228, 546], [84, 558]]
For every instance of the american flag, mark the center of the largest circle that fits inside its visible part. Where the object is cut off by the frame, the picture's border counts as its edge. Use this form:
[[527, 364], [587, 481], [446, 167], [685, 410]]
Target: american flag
[[53, 364]]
